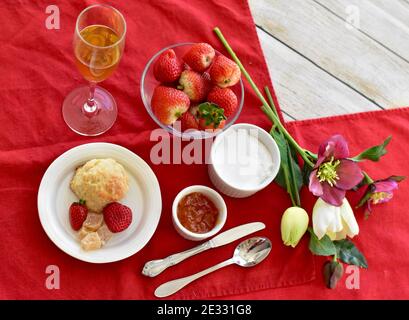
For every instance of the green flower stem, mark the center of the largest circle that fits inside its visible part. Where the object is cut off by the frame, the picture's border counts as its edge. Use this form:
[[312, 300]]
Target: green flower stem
[[294, 200], [271, 101], [312, 156], [309, 154], [266, 108], [270, 114], [367, 178]]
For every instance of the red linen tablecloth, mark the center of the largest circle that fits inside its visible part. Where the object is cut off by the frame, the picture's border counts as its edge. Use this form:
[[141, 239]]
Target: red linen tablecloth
[[384, 237], [38, 72]]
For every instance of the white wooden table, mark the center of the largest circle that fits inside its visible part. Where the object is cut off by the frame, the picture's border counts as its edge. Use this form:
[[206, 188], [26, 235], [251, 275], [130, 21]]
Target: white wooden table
[[330, 57]]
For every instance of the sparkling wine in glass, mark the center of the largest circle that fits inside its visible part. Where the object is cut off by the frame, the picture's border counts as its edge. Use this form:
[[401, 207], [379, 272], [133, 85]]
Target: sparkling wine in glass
[[99, 41]]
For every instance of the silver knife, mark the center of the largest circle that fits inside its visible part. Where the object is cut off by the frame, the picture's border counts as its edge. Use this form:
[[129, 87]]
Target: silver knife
[[155, 267]]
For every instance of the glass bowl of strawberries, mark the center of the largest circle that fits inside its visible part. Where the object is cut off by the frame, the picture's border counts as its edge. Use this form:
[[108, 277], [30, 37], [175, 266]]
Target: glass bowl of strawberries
[[192, 91]]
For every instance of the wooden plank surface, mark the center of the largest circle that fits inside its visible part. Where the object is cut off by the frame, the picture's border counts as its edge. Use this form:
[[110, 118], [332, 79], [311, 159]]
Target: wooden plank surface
[[321, 67], [304, 90], [383, 21]]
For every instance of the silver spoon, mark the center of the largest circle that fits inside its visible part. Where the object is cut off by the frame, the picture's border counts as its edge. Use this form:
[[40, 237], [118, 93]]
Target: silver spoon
[[247, 254]]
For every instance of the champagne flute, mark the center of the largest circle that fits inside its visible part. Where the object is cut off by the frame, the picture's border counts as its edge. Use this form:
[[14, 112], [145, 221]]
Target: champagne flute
[[99, 41]]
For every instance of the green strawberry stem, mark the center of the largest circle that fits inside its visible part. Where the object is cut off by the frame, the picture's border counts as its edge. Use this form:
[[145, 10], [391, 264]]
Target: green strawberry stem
[[266, 108], [212, 113]]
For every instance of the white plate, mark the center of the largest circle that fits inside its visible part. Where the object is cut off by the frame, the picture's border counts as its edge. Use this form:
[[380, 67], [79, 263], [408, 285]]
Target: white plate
[[143, 197]]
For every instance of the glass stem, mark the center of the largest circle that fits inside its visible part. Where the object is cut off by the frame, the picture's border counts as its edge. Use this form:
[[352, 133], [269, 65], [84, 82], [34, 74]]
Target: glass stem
[[90, 106]]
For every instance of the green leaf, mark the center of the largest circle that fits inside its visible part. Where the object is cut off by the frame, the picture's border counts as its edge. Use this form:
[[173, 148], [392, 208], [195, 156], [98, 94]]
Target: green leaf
[[295, 176], [323, 247], [349, 253], [397, 178], [374, 153], [282, 146], [289, 176], [306, 172], [283, 176], [366, 196], [297, 169]]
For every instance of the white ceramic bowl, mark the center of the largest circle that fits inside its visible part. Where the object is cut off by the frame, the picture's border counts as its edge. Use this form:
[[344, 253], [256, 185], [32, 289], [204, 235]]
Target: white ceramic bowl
[[217, 200], [235, 190]]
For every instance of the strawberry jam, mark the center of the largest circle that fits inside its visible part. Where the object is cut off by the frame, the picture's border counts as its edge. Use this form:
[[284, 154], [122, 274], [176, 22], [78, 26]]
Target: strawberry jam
[[197, 213]]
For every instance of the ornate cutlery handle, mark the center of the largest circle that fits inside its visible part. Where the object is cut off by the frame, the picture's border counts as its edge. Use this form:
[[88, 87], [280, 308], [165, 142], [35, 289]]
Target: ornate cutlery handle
[[174, 286], [155, 267]]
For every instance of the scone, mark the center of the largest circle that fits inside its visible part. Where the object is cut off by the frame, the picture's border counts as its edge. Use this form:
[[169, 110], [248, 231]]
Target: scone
[[99, 182]]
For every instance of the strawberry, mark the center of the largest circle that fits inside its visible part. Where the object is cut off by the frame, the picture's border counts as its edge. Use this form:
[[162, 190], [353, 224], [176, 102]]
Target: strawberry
[[168, 104], [211, 117], [195, 85], [167, 67], [211, 127], [224, 98], [78, 214], [117, 217], [189, 121], [199, 57], [194, 110], [224, 72]]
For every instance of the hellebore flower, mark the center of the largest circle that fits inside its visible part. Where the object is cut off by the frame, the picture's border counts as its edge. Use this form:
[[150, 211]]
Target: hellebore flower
[[336, 222], [294, 224], [333, 173], [379, 191]]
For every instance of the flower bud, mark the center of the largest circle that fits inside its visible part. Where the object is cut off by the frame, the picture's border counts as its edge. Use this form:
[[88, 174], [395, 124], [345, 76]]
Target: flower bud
[[333, 271], [294, 224]]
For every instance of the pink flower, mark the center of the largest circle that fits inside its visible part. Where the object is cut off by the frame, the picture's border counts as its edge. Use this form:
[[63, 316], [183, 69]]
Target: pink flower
[[379, 191], [333, 173]]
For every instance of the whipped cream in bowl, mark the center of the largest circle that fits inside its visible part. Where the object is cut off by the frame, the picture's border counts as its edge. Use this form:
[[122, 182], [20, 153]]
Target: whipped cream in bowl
[[244, 159]]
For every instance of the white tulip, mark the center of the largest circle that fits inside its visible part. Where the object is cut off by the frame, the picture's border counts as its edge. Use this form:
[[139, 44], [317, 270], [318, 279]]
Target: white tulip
[[336, 222]]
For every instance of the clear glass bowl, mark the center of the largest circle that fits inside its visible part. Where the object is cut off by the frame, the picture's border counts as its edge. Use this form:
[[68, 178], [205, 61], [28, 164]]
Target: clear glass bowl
[[149, 83]]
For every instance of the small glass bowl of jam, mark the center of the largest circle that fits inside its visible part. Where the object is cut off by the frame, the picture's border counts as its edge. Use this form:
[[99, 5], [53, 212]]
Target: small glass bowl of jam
[[198, 212]]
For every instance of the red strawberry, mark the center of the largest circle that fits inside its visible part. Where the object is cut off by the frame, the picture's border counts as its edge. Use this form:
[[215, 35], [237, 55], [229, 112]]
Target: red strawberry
[[199, 57], [224, 72], [78, 214], [224, 98], [168, 104], [194, 110], [117, 217], [167, 67], [189, 121], [211, 127], [195, 85], [211, 117]]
